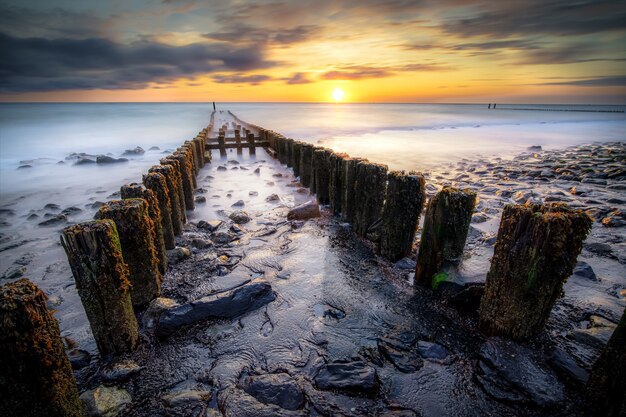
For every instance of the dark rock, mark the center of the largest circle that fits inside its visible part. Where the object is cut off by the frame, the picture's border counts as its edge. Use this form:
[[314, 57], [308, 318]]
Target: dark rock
[[596, 181], [222, 168], [200, 199], [400, 354], [32, 216], [583, 269], [534, 148], [178, 254], [479, 218], [272, 197], [119, 371], [105, 401], [235, 228], [79, 358], [222, 238], [52, 206], [199, 243], [239, 216], [510, 373], [104, 159], [602, 249], [71, 211], [595, 337], [136, 151], [405, 263], [84, 161], [55, 220], [304, 211], [235, 402], [257, 171], [233, 162], [24, 166], [186, 398], [279, 389], [154, 148], [253, 193], [564, 364], [432, 351], [239, 203], [14, 273], [227, 304], [211, 225], [96, 204], [350, 376]]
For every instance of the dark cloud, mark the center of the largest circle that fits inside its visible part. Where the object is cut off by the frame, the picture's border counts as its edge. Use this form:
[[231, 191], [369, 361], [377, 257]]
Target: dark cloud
[[242, 79], [362, 72], [36, 64], [298, 78], [245, 34], [565, 54], [608, 81]]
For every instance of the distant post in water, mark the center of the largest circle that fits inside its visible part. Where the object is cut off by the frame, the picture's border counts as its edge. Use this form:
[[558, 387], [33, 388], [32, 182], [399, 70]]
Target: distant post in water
[[238, 141], [35, 375], [403, 206], [102, 280], [135, 232], [251, 144], [156, 182], [369, 195], [535, 253], [446, 224]]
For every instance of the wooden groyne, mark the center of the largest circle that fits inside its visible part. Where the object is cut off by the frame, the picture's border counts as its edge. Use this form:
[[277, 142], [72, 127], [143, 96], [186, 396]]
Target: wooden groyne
[[119, 260]]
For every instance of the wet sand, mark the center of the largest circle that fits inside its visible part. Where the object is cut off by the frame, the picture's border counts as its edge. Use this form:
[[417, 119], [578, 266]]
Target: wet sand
[[408, 351]]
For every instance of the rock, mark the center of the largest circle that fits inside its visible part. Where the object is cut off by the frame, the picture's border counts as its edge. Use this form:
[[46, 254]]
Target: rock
[[105, 401], [272, 198], [158, 306], [52, 206], [200, 243], [227, 304], [24, 166], [184, 398], [233, 162], [253, 193], [120, 371], [405, 263], [84, 161], [596, 181], [222, 238], [350, 376], [96, 204], [239, 203], [79, 358], [257, 171], [613, 220], [53, 221], [534, 148], [71, 211], [32, 216], [154, 148], [279, 389], [583, 269], [432, 351], [136, 151], [304, 211], [509, 372], [178, 254], [222, 168], [211, 225], [14, 273], [400, 354], [104, 159], [595, 337], [200, 199], [479, 218], [602, 249], [239, 216], [599, 321], [235, 402], [235, 228], [564, 364]]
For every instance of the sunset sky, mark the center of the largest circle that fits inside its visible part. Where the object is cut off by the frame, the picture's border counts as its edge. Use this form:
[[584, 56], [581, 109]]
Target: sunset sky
[[531, 51]]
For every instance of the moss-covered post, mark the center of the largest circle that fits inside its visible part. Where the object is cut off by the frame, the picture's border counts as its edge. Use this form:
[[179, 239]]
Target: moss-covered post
[[321, 168], [403, 206], [348, 201], [221, 140], [135, 229], [35, 375], [197, 141], [369, 195], [607, 383], [177, 185], [251, 144], [95, 255], [535, 253], [446, 224], [335, 184], [171, 179], [188, 187], [306, 159], [156, 182], [297, 148], [135, 190], [188, 152]]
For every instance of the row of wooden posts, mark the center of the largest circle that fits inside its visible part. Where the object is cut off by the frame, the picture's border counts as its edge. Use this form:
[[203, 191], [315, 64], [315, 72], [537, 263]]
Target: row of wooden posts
[[118, 261]]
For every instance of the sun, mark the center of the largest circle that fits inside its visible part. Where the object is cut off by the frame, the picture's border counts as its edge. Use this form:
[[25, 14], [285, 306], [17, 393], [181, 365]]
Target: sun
[[338, 95]]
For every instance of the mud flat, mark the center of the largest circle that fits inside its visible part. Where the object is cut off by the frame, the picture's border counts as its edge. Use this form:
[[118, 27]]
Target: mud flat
[[319, 324]]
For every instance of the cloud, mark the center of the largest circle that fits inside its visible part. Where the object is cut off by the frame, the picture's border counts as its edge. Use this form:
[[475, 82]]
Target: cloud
[[607, 81], [297, 78], [243, 34], [242, 79], [362, 72], [37, 64]]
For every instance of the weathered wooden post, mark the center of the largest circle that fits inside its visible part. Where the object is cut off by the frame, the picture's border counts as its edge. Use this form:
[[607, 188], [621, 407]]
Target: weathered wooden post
[[251, 144], [369, 195], [335, 184], [177, 184], [195, 155], [403, 206], [306, 160], [289, 152], [607, 383], [238, 142], [221, 140], [297, 148], [102, 280], [134, 227], [321, 169], [446, 224], [348, 201], [282, 149], [171, 180], [35, 375], [188, 152], [188, 186], [197, 141], [156, 182], [535, 252]]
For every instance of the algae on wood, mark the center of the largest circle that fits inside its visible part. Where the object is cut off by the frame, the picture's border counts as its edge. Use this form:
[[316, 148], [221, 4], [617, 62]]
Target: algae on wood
[[102, 279], [157, 183], [177, 183], [535, 253], [446, 224], [403, 206], [135, 230], [348, 173], [369, 195], [171, 179], [186, 173], [36, 377]]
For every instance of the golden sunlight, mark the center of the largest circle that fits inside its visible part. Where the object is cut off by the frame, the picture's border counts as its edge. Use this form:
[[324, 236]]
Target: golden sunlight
[[338, 95]]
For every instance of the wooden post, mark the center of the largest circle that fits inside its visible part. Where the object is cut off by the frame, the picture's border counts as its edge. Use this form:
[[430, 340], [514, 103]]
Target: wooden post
[[535, 253], [282, 149], [156, 182], [306, 158], [171, 180], [238, 142], [188, 152], [403, 206], [134, 227], [35, 375], [321, 169], [297, 149], [348, 202], [251, 144], [195, 157], [222, 143], [135, 190], [102, 280], [177, 184], [185, 171], [199, 150], [446, 224], [369, 195], [607, 383], [289, 152], [335, 185]]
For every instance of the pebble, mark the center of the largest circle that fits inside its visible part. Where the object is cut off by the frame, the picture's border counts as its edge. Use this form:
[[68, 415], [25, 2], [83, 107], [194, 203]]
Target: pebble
[[239, 216], [105, 401]]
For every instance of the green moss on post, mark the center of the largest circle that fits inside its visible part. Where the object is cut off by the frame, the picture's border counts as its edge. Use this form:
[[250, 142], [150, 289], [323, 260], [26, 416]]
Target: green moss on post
[[335, 184], [607, 384], [188, 152], [446, 224], [403, 206], [35, 375], [185, 170], [95, 255], [369, 195], [135, 190], [171, 179], [156, 182], [348, 173], [306, 169], [535, 252], [178, 185]]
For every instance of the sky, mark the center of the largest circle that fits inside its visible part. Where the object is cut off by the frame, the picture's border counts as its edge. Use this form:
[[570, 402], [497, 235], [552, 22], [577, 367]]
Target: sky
[[530, 51]]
